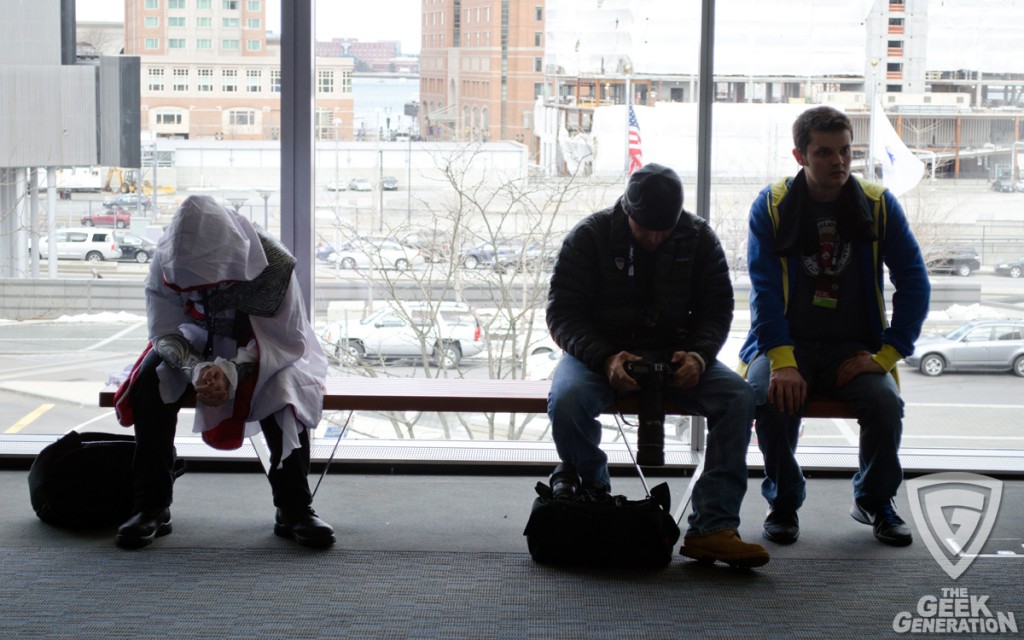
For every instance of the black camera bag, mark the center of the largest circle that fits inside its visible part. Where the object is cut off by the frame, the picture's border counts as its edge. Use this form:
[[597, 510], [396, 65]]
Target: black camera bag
[[611, 532], [84, 480]]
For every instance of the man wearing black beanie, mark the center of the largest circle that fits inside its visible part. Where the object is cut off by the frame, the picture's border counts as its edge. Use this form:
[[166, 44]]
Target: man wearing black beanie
[[646, 280]]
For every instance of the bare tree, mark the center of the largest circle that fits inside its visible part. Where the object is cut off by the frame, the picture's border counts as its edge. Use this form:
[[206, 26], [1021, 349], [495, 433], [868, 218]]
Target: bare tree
[[518, 224]]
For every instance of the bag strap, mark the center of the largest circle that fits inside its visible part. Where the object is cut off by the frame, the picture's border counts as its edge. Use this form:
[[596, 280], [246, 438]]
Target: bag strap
[[341, 434], [618, 423]]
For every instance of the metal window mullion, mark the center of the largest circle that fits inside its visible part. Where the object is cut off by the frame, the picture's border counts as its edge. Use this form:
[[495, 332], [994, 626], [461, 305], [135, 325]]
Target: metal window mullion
[[706, 93], [297, 101]]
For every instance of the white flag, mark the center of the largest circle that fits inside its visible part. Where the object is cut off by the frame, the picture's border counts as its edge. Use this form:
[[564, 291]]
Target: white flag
[[901, 170]]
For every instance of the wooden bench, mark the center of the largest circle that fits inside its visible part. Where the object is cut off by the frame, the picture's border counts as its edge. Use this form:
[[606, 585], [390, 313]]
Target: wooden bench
[[486, 396], [468, 395]]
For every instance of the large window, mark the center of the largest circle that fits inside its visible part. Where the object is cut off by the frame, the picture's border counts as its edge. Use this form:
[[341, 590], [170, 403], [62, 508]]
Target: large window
[[413, 148]]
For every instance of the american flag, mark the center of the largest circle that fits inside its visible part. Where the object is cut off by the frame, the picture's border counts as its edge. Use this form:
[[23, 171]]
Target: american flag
[[636, 158]]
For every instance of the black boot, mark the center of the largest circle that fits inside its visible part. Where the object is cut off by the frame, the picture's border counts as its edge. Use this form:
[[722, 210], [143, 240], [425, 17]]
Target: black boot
[[564, 481], [142, 528], [305, 527]]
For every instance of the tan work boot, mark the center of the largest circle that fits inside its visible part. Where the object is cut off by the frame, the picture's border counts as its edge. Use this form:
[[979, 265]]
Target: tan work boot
[[727, 547]]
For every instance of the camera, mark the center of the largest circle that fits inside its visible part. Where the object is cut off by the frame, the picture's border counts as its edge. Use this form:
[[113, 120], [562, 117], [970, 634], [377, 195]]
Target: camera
[[650, 432]]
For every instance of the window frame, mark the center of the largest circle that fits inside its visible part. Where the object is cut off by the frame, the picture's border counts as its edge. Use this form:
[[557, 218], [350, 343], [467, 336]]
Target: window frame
[[295, 131]]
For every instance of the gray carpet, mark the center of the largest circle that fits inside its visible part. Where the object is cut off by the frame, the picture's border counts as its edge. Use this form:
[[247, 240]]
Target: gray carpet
[[294, 593]]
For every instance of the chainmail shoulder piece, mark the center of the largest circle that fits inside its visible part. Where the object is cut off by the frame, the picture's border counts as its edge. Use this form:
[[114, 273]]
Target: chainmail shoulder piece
[[263, 295]]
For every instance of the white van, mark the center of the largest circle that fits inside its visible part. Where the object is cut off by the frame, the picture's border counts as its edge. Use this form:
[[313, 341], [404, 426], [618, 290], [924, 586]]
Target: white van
[[90, 244]]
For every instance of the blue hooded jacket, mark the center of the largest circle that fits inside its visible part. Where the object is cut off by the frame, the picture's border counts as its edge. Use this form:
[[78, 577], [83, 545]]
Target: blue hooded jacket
[[878, 227]]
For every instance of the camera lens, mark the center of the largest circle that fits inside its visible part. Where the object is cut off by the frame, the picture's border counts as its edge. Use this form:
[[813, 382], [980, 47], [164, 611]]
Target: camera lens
[[650, 442], [650, 433]]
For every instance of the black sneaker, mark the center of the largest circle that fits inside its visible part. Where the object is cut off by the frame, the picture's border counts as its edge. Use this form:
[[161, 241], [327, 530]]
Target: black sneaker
[[889, 527], [781, 526]]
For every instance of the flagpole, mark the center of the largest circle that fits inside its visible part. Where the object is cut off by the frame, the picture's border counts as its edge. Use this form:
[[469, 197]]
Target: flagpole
[[629, 103], [869, 170]]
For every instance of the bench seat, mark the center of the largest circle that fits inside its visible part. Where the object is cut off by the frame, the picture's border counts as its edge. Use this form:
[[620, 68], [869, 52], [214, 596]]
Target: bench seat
[[468, 395]]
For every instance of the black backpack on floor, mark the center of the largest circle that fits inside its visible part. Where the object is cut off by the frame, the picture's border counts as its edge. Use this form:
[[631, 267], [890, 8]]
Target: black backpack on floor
[[84, 480], [609, 531]]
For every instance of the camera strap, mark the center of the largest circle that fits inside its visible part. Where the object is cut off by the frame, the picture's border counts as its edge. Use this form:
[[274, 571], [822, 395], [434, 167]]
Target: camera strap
[[619, 420], [327, 465]]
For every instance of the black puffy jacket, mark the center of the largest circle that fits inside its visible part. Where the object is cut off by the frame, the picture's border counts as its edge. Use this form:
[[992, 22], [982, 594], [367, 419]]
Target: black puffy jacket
[[593, 312]]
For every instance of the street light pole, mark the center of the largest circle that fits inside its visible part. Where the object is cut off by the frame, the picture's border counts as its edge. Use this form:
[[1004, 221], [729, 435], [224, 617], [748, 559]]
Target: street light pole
[[380, 168], [408, 181], [265, 194], [337, 184], [237, 203], [380, 189], [869, 170], [153, 199]]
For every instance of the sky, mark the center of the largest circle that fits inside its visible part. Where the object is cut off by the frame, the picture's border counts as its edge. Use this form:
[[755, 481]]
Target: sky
[[366, 21]]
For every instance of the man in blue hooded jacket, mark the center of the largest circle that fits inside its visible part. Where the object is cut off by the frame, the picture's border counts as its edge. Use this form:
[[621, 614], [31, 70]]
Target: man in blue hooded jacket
[[816, 250]]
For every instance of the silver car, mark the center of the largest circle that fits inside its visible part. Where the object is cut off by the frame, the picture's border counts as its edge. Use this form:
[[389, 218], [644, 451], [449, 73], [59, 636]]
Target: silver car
[[446, 332], [376, 253], [90, 244], [979, 345], [360, 184]]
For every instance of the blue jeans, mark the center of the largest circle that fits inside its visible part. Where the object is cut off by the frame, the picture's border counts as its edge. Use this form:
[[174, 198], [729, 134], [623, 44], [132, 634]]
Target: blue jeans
[[873, 398], [579, 394]]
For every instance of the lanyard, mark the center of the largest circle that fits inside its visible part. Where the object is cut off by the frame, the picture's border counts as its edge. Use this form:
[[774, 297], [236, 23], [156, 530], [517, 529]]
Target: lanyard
[[631, 264]]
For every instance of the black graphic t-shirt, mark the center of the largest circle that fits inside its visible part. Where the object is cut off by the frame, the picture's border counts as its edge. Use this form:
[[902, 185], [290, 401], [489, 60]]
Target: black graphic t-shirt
[[828, 301]]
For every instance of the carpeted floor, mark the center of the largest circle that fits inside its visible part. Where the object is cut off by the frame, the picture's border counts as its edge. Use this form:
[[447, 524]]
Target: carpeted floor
[[425, 557], [245, 593]]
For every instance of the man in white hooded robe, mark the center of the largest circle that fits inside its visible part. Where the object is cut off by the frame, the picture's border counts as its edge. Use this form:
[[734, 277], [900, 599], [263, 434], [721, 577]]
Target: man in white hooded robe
[[227, 319]]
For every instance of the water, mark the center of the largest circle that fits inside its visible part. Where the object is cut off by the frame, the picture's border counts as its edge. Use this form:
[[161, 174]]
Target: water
[[372, 98]]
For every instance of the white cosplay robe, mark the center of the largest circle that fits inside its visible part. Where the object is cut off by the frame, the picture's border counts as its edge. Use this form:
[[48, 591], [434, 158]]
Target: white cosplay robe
[[208, 246]]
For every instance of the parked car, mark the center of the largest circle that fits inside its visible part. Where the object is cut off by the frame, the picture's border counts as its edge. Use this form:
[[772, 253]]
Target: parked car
[[961, 260], [323, 251], [540, 365], [1013, 268], [376, 253], [94, 245], [489, 253], [134, 248], [389, 183], [1007, 185], [360, 184], [435, 244], [128, 201], [979, 345], [446, 332], [335, 185], [113, 217], [529, 256]]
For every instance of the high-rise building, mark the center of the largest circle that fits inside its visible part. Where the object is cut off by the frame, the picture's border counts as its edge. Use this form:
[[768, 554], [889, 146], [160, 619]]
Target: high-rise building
[[210, 70], [481, 69]]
